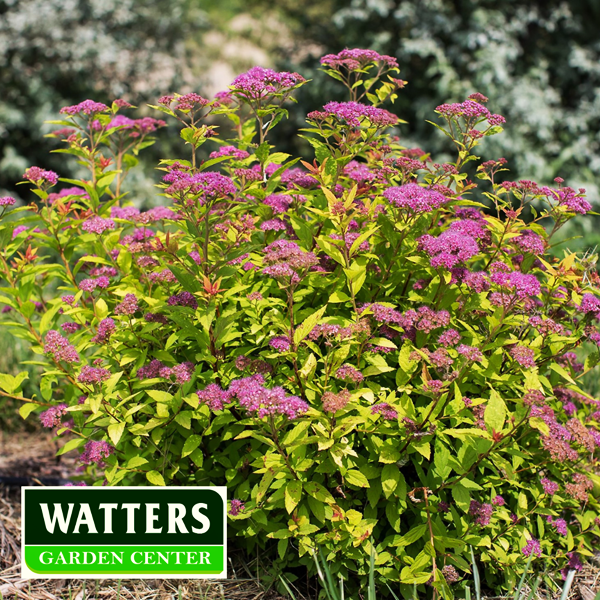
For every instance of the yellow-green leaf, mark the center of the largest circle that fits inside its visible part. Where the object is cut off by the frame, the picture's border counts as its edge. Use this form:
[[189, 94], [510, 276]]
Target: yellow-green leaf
[[115, 431], [155, 478], [293, 493]]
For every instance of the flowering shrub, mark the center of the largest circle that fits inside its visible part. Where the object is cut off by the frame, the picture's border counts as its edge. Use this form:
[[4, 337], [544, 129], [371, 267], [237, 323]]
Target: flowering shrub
[[361, 351]]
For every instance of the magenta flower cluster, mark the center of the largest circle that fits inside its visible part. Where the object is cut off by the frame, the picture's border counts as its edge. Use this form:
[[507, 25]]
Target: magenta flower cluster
[[259, 82], [354, 115], [40, 176], [415, 198], [95, 452], [60, 347], [53, 416], [355, 58], [449, 249]]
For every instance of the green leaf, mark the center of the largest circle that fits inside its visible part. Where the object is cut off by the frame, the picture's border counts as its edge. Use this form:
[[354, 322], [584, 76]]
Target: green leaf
[[308, 324], [416, 533], [184, 418], [26, 409], [354, 477], [190, 445], [136, 461], [461, 497], [293, 494], [317, 491], [390, 476], [495, 412], [539, 424], [71, 445], [159, 396], [155, 478], [115, 431]]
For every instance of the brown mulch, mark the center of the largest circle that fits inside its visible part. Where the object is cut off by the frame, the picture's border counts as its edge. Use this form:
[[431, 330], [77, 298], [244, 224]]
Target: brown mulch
[[33, 455]]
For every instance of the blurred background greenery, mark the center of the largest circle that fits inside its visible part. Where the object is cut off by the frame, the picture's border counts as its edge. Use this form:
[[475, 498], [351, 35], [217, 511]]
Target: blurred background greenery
[[537, 61]]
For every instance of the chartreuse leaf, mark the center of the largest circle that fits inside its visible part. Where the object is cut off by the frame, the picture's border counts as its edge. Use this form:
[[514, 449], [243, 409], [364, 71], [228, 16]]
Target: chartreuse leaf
[[390, 476], [26, 409], [155, 478], [317, 491], [191, 443], [308, 325], [354, 477], [293, 494], [115, 431], [495, 412]]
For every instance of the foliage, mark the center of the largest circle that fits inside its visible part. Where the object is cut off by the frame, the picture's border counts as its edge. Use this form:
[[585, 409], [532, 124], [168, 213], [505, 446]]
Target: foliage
[[448, 49], [57, 52], [371, 363]]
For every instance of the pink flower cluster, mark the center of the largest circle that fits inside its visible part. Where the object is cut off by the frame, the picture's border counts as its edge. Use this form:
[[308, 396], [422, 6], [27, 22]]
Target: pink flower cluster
[[60, 348], [7, 201], [183, 299], [280, 343], [469, 109], [40, 176], [128, 306], [136, 127], [284, 258], [87, 107], [89, 285], [259, 82], [532, 548], [349, 373], [297, 177], [98, 225], [523, 355], [332, 402], [448, 338], [230, 151], [255, 397], [207, 185], [414, 197], [530, 242], [470, 352], [449, 248], [354, 115], [356, 58], [106, 328], [481, 513], [95, 452], [237, 506], [93, 375], [568, 198], [52, 416], [385, 410], [180, 374]]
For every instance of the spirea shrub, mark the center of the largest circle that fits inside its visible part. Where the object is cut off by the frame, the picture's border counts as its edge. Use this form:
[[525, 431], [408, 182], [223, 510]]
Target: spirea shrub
[[367, 348]]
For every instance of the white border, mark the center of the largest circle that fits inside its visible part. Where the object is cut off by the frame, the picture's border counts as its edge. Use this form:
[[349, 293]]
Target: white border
[[27, 573]]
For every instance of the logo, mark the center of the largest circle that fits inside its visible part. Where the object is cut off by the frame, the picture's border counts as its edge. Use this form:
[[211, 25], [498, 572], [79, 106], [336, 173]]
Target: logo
[[123, 532]]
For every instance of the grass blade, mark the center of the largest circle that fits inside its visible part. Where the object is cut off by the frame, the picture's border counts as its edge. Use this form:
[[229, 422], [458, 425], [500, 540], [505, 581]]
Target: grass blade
[[468, 593], [392, 591], [371, 594], [476, 579], [522, 582], [568, 584], [534, 588], [287, 587]]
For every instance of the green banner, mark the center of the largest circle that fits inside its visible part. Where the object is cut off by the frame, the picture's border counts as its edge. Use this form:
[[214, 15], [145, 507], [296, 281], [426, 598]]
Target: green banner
[[125, 560], [124, 532]]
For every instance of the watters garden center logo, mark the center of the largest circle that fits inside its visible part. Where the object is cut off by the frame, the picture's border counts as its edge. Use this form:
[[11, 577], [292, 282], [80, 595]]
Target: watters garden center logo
[[121, 532]]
